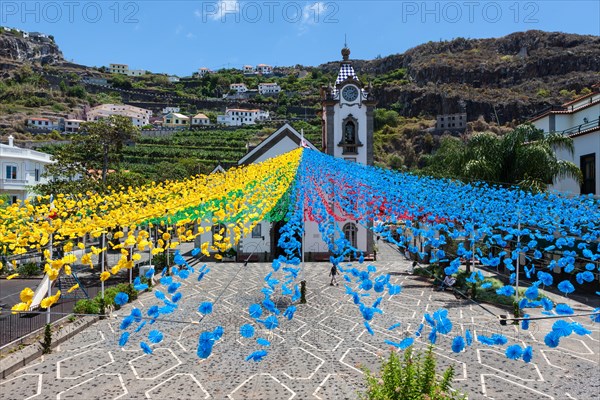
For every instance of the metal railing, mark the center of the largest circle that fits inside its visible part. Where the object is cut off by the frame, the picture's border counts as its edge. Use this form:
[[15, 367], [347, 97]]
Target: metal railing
[[581, 128]]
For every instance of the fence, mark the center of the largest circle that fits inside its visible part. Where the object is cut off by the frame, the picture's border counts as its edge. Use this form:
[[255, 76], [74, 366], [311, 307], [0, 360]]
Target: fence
[[16, 326]]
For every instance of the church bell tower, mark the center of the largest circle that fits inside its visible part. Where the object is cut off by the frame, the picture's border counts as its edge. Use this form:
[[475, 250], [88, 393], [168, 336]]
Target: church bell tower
[[348, 116], [347, 112]]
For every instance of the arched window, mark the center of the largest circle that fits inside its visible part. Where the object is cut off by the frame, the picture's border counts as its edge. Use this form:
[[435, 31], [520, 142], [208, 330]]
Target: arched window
[[350, 232], [350, 140], [350, 133], [218, 229]]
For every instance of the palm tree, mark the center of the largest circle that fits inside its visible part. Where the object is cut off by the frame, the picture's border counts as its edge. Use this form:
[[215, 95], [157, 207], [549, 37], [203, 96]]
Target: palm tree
[[525, 156]]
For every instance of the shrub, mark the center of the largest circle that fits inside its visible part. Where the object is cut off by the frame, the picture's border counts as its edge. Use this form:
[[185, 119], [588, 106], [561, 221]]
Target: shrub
[[87, 306], [413, 377], [29, 269], [47, 343]]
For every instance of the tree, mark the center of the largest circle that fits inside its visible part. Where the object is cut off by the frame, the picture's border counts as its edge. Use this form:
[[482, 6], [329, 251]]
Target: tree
[[97, 147], [526, 156], [109, 134]]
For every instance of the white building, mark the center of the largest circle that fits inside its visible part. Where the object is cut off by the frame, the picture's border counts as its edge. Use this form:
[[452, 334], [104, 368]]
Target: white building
[[200, 120], [118, 68], [41, 124], [580, 120], [238, 87], [203, 71], [124, 70], [173, 79], [167, 110], [139, 116], [264, 69], [347, 133], [73, 125], [20, 169], [268, 88], [240, 116], [135, 72], [248, 70]]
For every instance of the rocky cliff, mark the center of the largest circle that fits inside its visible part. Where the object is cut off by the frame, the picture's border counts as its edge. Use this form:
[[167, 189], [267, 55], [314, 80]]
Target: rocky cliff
[[20, 47], [504, 78]]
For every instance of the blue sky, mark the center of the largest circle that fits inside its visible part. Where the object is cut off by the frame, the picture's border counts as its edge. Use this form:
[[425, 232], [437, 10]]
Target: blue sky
[[178, 37]]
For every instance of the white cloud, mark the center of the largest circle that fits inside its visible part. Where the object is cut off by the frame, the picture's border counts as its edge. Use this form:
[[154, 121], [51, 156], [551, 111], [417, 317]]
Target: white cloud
[[190, 35], [313, 13], [218, 10]]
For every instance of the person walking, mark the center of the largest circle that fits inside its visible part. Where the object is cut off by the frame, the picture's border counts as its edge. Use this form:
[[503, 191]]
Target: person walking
[[333, 274]]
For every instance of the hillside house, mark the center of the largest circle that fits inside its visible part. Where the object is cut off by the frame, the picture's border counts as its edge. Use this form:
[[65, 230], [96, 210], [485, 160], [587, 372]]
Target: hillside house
[[238, 87], [72, 125], [200, 120], [267, 89], [176, 120], [248, 70], [264, 69], [41, 124], [139, 116], [240, 116]]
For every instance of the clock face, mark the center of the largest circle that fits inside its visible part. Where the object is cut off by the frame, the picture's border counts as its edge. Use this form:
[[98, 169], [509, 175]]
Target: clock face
[[350, 93]]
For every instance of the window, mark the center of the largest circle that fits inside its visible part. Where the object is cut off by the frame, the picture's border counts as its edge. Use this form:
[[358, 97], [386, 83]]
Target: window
[[14, 199], [257, 232], [218, 229], [350, 232], [37, 174], [349, 137], [588, 167], [11, 172]]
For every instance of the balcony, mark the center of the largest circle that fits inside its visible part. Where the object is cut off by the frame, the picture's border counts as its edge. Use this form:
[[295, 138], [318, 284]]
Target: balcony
[[583, 128], [13, 184]]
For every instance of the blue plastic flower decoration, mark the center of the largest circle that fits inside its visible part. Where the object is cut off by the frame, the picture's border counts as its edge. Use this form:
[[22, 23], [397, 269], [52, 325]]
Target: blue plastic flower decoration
[[205, 308], [146, 348], [247, 331], [155, 336], [121, 298], [514, 352]]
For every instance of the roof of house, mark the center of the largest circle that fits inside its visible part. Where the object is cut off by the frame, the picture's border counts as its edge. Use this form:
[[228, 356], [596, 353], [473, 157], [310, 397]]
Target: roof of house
[[177, 115], [242, 109], [271, 141], [38, 119], [200, 116], [269, 84], [595, 92], [263, 65]]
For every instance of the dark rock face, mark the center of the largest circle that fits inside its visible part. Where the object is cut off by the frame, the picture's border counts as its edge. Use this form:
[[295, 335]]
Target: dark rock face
[[36, 49], [498, 78]]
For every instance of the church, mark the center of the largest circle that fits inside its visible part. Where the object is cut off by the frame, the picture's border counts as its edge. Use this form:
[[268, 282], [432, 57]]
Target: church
[[347, 132]]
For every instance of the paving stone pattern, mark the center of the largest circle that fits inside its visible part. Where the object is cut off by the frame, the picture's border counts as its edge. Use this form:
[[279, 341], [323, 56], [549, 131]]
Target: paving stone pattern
[[319, 354]]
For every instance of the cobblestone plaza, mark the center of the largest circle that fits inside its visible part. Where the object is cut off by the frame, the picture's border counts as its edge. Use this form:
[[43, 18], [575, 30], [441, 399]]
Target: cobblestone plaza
[[319, 354]]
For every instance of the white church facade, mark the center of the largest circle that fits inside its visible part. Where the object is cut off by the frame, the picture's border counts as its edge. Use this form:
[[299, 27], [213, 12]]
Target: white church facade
[[347, 132]]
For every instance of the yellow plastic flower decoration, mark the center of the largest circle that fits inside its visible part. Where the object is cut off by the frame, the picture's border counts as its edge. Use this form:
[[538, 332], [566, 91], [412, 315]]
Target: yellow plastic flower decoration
[[26, 295], [104, 276], [74, 287], [12, 276], [20, 307]]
